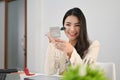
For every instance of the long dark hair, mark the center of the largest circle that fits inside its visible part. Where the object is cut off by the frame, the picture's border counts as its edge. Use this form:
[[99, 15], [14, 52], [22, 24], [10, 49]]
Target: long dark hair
[[83, 42]]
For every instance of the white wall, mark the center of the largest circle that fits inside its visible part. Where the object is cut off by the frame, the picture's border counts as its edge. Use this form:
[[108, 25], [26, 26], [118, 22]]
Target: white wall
[[102, 21], [2, 12], [34, 55]]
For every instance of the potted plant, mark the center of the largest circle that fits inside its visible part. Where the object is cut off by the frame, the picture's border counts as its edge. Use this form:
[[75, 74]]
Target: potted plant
[[84, 72]]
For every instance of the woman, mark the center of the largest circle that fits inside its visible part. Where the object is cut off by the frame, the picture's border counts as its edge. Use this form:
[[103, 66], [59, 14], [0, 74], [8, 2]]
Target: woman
[[78, 50]]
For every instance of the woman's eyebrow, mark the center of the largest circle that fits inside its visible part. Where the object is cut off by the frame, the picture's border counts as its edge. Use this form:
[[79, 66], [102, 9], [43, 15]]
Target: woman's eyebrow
[[77, 23], [74, 23], [67, 22]]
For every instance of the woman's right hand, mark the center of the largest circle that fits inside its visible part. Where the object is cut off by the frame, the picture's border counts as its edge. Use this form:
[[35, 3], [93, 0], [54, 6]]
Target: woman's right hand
[[51, 39]]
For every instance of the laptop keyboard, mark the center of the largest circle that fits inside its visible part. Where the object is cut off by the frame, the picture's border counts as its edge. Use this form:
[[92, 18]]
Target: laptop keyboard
[[2, 76]]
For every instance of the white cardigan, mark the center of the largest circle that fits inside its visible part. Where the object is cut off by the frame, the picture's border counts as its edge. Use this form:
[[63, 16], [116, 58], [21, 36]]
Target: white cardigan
[[75, 59]]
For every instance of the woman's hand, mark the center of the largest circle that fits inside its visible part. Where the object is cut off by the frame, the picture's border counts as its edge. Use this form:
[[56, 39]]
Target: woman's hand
[[64, 46], [61, 44], [51, 39]]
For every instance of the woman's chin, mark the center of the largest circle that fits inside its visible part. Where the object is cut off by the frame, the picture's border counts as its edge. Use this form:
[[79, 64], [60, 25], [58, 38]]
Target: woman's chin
[[72, 38]]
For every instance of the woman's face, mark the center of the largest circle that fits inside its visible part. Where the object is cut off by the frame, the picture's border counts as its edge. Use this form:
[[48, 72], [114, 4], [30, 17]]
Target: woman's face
[[72, 25]]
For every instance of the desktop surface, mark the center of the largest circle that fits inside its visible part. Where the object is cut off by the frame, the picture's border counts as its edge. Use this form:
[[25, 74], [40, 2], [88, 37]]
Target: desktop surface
[[43, 77]]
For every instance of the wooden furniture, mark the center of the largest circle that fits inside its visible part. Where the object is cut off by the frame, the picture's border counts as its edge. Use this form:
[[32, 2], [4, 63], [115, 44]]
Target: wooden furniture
[[6, 32]]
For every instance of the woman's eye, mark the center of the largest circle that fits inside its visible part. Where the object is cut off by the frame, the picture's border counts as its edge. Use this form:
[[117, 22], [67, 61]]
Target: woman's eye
[[77, 25], [67, 24]]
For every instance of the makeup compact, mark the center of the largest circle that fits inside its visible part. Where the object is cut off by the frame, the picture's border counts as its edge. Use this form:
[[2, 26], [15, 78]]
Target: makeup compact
[[55, 31]]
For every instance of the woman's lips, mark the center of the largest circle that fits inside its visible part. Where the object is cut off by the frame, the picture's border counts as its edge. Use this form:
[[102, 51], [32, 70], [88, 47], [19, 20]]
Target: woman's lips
[[72, 35]]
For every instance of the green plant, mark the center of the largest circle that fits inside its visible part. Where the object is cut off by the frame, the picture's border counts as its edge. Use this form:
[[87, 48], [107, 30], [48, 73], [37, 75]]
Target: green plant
[[84, 73]]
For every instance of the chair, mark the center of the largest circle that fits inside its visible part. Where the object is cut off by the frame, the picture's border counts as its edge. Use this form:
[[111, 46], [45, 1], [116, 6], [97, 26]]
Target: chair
[[109, 69]]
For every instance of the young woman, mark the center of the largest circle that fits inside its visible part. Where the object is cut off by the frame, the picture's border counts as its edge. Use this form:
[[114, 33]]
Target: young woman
[[78, 50]]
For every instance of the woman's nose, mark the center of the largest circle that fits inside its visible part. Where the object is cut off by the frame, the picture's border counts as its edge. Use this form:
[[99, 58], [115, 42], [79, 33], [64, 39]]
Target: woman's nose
[[72, 28]]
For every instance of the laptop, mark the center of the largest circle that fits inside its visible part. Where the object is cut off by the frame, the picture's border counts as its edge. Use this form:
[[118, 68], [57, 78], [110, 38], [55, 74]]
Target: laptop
[[44, 77]]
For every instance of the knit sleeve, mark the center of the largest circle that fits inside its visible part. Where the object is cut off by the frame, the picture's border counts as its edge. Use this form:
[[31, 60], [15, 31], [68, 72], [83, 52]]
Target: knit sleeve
[[52, 61], [75, 58], [91, 54], [49, 60]]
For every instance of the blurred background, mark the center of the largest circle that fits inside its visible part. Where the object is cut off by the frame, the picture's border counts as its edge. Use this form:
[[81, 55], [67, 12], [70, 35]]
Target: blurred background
[[103, 24]]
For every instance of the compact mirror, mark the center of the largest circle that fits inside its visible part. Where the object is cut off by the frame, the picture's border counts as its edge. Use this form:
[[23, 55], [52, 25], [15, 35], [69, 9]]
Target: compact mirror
[[55, 32]]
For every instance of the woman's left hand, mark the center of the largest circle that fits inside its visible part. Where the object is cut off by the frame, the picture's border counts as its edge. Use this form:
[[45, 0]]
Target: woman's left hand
[[64, 46]]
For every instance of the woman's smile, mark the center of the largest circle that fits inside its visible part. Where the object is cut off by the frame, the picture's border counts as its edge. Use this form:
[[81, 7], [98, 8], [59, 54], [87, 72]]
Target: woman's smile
[[72, 34]]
